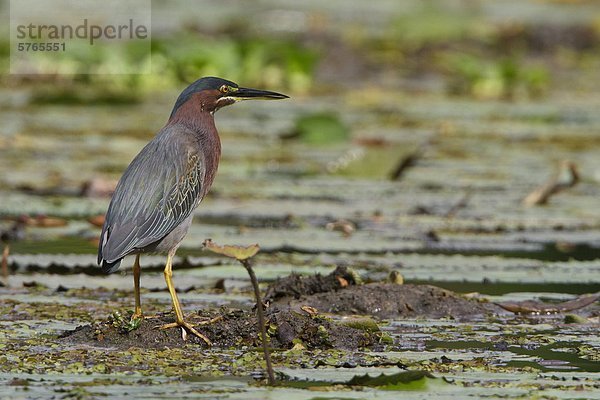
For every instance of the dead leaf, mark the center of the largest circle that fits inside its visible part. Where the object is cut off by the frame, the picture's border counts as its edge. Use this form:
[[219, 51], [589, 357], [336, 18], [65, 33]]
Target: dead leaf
[[371, 141], [43, 221], [342, 281], [309, 310], [346, 227], [97, 220]]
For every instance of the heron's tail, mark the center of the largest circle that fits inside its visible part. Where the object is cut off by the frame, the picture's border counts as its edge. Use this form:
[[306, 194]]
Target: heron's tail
[[110, 267]]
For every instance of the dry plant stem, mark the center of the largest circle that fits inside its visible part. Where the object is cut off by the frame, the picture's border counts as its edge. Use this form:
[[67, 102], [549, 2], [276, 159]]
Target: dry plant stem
[[5, 264], [261, 320]]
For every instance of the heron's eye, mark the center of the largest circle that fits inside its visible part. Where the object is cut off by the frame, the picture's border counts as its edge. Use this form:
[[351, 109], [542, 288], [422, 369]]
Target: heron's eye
[[224, 89]]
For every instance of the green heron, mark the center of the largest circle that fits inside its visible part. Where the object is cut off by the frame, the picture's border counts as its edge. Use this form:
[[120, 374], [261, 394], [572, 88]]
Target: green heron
[[153, 204]]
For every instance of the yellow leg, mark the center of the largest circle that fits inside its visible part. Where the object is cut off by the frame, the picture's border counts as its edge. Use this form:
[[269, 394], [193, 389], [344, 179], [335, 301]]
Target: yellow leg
[[136, 288], [179, 321]]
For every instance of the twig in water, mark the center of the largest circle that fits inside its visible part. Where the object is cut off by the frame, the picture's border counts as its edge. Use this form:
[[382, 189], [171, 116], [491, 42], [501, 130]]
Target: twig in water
[[556, 184], [537, 307]]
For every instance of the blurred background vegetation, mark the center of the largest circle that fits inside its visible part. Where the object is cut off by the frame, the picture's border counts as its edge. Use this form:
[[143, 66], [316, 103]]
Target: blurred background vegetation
[[371, 83], [461, 47]]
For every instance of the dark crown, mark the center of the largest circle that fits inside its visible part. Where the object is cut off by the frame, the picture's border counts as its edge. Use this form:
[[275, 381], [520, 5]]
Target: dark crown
[[206, 83]]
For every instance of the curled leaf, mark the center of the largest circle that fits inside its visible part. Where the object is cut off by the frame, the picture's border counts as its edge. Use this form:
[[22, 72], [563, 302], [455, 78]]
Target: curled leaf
[[238, 252]]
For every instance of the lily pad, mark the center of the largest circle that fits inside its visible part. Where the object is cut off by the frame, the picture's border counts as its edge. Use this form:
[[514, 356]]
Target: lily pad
[[409, 380], [321, 128]]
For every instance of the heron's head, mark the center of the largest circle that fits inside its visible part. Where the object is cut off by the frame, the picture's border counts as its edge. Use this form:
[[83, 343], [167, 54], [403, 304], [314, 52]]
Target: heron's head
[[212, 93]]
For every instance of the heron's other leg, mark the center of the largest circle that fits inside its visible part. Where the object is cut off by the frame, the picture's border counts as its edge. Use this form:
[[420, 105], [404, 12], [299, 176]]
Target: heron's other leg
[[137, 314], [179, 321]]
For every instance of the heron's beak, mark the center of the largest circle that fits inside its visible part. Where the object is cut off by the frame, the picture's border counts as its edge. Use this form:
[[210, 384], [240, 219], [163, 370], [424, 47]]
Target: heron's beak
[[251, 94]]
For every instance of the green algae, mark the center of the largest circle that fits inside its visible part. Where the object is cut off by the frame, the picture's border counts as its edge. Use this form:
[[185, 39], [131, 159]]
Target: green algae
[[363, 324]]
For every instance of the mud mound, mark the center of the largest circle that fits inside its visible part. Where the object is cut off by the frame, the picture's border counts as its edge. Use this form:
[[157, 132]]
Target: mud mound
[[232, 328], [296, 285], [387, 300], [289, 320], [339, 293]]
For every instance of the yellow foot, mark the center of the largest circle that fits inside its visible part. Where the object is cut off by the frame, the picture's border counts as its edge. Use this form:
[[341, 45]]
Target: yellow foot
[[185, 328], [137, 315]]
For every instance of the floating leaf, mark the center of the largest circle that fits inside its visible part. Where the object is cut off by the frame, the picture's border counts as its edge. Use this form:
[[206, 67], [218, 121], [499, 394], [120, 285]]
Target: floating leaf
[[406, 380]]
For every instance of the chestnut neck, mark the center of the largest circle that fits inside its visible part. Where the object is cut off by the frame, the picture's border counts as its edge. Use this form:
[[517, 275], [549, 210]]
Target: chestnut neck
[[196, 116]]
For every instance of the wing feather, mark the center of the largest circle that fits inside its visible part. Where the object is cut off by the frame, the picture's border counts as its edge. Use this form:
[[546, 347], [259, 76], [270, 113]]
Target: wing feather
[[161, 187]]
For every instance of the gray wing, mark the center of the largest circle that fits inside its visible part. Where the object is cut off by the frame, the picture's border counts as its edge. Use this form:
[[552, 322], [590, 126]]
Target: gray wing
[[161, 187]]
